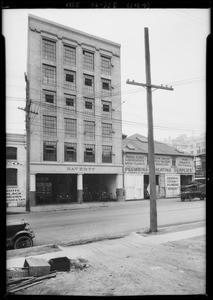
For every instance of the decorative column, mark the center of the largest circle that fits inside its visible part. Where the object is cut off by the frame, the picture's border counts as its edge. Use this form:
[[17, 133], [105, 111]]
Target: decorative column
[[32, 189], [79, 188], [119, 188]]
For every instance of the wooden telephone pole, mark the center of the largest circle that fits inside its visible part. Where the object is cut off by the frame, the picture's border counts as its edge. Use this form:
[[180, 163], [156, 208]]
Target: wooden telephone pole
[[27, 119], [151, 151]]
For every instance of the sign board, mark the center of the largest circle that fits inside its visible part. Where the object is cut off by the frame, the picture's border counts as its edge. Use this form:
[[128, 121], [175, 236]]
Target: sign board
[[163, 161], [14, 197], [184, 162], [135, 163], [172, 184]]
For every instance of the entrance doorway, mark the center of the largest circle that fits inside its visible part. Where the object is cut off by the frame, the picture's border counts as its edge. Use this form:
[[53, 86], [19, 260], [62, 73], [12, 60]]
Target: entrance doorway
[[52, 188]]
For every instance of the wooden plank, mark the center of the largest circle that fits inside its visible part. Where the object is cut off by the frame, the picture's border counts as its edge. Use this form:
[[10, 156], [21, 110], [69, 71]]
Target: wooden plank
[[24, 287]]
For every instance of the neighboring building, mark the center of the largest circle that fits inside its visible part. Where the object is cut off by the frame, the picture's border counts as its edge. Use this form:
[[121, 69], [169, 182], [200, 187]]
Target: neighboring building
[[192, 145], [172, 168], [76, 138], [15, 169], [200, 165]]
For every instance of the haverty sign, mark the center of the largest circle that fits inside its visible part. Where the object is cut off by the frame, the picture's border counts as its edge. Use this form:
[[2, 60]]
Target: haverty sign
[[172, 184]]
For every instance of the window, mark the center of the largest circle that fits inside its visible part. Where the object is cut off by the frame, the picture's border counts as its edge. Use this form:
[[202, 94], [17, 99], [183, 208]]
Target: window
[[11, 176], [11, 153], [49, 125], [106, 84], [88, 83], [49, 75], [107, 108], [70, 100], [70, 152], [70, 79], [70, 127], [88, 60], [173, 161], [69, 55], [107, 132], [48, 50], [105, 65], [89, 106], [50, 151], [49, 98], [106, 154], [89, 153], [89, 130]]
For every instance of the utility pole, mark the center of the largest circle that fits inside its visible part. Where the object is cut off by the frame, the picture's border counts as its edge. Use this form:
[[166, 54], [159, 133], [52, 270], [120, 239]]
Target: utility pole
[[151, 151], [27, 120]]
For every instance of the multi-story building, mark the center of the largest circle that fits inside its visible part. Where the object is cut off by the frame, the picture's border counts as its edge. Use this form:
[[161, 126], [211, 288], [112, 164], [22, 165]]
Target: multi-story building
[[76, 138], [172, 168], [15, 169]]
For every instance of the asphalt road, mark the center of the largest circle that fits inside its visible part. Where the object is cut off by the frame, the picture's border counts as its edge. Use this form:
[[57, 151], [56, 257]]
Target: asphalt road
[[61, 227]]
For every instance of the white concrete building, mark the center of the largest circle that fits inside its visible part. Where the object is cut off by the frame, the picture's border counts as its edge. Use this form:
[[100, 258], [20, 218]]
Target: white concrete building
[[15, 169], [76, 138]]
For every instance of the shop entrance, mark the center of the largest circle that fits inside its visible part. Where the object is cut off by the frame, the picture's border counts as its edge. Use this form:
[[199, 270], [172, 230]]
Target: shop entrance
[[185, 179], [99, 187], [147, 188], [52, 189]]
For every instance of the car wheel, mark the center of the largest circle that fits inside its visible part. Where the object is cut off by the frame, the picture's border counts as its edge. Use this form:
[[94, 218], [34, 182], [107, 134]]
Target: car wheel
[[182, 199], [201, 198], [23, 241]]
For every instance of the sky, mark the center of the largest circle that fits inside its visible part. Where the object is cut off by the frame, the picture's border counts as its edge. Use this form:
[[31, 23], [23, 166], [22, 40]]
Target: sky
[[177, 39]]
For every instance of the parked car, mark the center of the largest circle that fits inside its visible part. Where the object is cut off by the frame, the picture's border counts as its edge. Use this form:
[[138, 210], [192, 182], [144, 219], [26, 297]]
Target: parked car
[[193, 190], [63, 198], [19, 235]]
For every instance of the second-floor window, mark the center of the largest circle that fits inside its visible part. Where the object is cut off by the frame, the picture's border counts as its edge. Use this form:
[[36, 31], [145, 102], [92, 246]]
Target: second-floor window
[[70, 152], [89, 153], [89, 130], [49, 75], [48, 49], [70, 127], [11, 153], [69, 55], [70, 79], [11, 176], [50, 151], [106, 154], [107, 132], [88, 60], [49, 125]]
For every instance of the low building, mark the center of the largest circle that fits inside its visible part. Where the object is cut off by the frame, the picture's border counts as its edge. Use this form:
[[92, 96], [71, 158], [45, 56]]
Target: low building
[[15, 169], [172, 167]]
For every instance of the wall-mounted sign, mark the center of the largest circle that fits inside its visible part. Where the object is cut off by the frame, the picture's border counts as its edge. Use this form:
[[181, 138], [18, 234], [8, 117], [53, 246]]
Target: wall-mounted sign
[[138, 160], [184, 162], [14, 197], [172, 184], [163, 161]]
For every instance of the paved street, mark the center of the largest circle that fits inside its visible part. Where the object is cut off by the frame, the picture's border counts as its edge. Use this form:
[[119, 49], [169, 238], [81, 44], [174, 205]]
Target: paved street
[[73, 225]]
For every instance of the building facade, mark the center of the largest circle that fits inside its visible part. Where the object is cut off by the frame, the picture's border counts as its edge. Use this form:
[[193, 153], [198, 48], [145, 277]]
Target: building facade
[[15, 169], [76, 138], [172, 168]]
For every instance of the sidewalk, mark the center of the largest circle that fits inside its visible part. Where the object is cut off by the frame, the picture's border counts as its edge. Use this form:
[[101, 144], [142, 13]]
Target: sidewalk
[[73, 206], [171, 261]]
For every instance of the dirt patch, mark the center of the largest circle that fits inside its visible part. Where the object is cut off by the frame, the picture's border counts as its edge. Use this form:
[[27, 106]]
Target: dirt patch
[[32, 251], [173, 268]]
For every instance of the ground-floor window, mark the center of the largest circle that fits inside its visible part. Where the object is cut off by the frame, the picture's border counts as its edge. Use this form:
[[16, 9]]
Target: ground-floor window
[[11, 176]]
